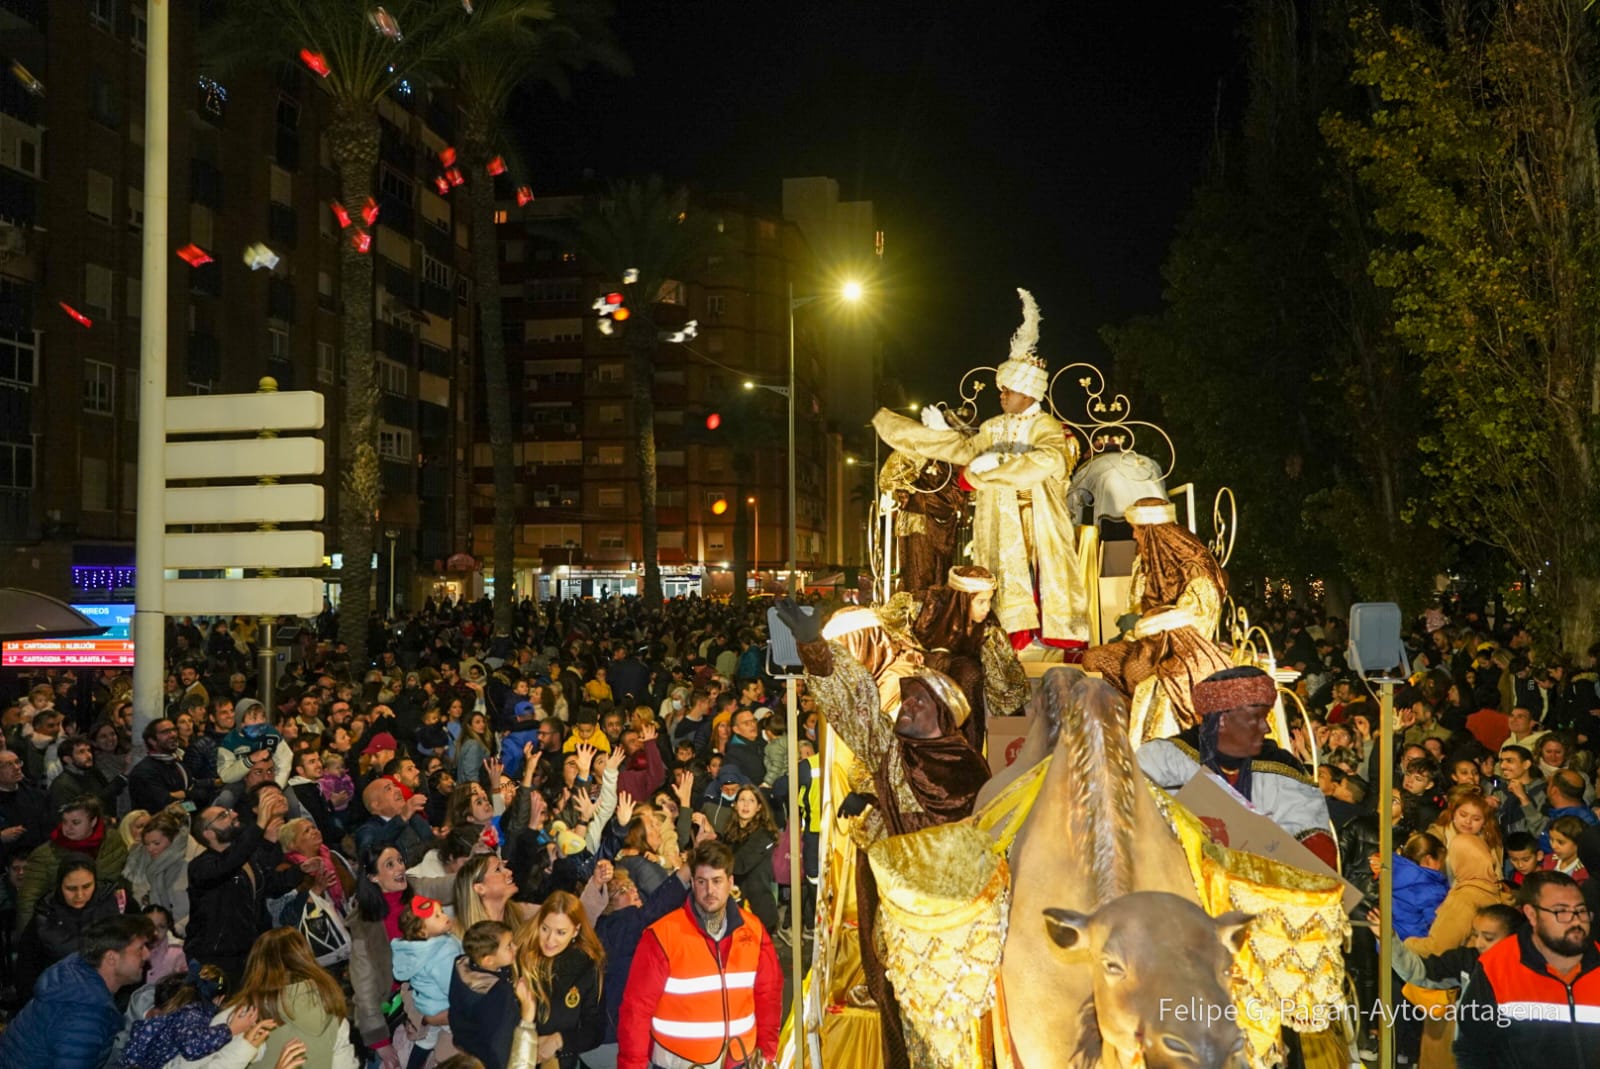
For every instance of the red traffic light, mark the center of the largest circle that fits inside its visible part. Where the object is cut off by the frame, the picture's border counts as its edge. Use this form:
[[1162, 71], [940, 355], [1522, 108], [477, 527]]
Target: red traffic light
[[713, 421]]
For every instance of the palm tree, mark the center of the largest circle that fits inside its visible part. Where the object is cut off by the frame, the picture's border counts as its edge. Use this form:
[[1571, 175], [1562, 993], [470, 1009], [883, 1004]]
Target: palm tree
[[362, 64], [522, 41], [646, 231]]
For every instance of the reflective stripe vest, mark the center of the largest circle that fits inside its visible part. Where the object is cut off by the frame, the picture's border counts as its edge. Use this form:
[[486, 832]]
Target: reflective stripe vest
[[707, 1010]]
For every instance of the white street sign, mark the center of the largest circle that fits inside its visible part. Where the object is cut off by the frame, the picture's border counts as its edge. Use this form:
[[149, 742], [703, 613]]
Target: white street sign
[[291, 503], [296, 410], [245, 549], [247, 458], [299, 596]]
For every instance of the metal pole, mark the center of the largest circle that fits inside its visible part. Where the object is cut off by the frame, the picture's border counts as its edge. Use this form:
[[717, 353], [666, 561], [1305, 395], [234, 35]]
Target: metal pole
[[791, 445], [796, 873], [150, 531], [392, 543], [266, 651], [1386, 872], [755, 538]]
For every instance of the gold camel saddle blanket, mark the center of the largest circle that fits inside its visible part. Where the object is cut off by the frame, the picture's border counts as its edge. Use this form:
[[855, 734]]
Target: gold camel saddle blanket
[[943, 900]]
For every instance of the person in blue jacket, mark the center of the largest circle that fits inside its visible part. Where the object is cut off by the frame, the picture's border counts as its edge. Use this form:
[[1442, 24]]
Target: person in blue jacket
[[72, 1021], [1419, 885]]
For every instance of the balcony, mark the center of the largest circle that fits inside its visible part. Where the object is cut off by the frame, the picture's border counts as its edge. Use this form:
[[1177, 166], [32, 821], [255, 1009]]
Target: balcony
[[286, 148], [397, 215], [433, 420], [399, 282], [435, 360], [206, 280], [204, 358], [17, 102], [435, 481], [281, 225], [19, 200], [401, 411], [436, 300], [397, 343], [280, 299], [397, 479]]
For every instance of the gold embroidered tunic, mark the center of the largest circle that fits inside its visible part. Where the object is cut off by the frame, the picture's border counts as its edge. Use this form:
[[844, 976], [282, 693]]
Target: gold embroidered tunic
[[1022, 529]]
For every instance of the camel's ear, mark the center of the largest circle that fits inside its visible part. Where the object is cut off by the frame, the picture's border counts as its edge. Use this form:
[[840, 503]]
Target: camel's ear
[[1233, 928], [1067, 928]]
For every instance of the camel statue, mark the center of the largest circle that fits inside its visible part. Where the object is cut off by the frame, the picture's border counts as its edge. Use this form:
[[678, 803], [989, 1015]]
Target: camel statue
[[1133, 970]]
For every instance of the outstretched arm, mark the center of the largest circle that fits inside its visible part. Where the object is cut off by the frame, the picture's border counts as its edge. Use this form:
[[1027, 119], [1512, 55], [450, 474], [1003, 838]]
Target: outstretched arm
[[909, 436]]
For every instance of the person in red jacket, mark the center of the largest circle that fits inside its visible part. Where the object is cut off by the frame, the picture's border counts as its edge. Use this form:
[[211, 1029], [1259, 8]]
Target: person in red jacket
[[1534, 1000], [705, 987]]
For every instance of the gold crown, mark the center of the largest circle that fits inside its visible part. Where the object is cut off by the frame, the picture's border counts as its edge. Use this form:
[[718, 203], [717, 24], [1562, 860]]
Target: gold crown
[[1033, 360]]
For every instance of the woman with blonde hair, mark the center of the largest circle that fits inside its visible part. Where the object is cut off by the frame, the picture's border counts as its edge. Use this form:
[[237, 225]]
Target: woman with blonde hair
[[483, 890], [283, 982], [1467, 812], [561, 958]]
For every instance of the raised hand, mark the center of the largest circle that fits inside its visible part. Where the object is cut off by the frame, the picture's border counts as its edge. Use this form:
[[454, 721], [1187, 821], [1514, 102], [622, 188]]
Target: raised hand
[[807, 627], [493, 766], [585, 805], [625, 804], [603, 871], [648, 733], [683, 787], [243, 1020]]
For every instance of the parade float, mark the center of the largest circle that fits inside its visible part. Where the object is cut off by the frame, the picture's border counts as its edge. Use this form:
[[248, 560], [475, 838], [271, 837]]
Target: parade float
[[1080, 915]]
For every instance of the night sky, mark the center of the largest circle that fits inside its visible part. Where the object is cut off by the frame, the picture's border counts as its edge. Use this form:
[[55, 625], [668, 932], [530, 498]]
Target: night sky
[[1019, 142]]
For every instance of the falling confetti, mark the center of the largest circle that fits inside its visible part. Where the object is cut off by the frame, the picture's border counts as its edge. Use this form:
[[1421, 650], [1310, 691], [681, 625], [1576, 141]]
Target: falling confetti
[[75, 314], [442, 184], [369, 211], [361, 241], [524, 196], [385, 24], [194, 255], [606, 328], [316, 62], [340, 214], [25, 76], [447, 157], [259, 256], [497, 166], [455, 176], [630, 276]]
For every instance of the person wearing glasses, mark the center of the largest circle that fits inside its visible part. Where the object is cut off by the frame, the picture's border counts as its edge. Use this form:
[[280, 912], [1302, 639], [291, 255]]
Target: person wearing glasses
[[1534, 1000], [229, 882]]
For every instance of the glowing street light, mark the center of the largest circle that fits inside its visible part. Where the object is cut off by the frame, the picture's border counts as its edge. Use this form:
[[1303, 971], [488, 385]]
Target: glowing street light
[[851, 291]]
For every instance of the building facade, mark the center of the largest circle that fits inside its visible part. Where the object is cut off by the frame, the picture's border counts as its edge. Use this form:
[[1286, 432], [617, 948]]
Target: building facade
[[722, 447], [249, 164]]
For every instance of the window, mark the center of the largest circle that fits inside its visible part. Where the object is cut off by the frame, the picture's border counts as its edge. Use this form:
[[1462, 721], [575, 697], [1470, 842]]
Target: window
[[130, 393], [394, 185], [16, 466], [766, 230], [97, 289], [19, 146], [394, 443], [135, 297], [105, 103], [325, 290], [100, 196], [288, 113], [499, 216], [137, 31], [563, 453], [513, 252], [327, 362], [611, 538], [610, 414], [669, 539], [552, 331], [553, 290], [393, 378], [103, 13], [282, 186], [608, 373], [670, 458], [277, 344], [609, 455], [99, 381], [95, 482], [463, 290], [716, 542], [437, 272], [713, 496], [610, 497], [135, 209], [201, 225], [670, 499], [716, 306], [19, 357]]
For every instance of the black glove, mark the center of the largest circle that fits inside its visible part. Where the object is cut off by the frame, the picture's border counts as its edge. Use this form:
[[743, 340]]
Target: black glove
[[854, 804], [806, 626]]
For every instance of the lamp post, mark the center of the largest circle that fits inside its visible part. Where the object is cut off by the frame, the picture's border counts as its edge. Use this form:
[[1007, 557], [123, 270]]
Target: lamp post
[[851, 292], [755, 536], [393, 536]]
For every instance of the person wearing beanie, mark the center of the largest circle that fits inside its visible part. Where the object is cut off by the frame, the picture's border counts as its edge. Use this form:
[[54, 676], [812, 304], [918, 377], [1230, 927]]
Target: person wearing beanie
[[1230, 745], [1016, 466]]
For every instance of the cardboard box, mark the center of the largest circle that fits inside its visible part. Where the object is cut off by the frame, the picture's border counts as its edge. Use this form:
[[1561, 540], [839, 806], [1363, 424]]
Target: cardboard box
[[1247, 830], [1006, 736]]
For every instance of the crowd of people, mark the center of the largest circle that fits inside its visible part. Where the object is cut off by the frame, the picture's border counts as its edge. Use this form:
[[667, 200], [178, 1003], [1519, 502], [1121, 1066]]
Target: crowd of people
[[563, 844], [560, 845], [1494, 823]]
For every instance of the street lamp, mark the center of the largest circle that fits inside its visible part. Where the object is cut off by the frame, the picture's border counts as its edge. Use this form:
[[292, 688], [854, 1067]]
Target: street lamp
[[393, 536], [755, 536]]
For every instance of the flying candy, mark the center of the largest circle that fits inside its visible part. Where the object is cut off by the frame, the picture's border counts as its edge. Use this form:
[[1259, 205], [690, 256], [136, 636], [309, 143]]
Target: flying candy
[[385, 24], [25, 76], [259, 256], [630, 276], [497, 166], [316, 62], [524, 196], [369, 211], [447, 157], [75, 314], [361, 241], [340, 214], [442, 184], [194, 255]]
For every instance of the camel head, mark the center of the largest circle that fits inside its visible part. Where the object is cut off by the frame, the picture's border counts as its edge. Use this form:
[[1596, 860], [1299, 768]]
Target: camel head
[[1160, 988]]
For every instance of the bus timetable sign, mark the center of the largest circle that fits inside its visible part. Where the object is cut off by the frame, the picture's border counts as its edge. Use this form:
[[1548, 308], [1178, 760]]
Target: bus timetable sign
[[114, 649]]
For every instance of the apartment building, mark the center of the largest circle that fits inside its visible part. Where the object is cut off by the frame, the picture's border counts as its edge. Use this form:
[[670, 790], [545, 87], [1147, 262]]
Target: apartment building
[[249, 164]]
